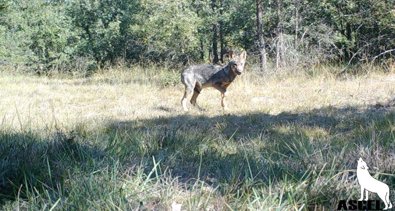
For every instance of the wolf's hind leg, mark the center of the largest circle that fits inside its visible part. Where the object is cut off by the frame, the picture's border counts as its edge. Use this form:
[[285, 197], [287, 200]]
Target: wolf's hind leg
[[196, 92], [184, 101], [382, 196], [386, 198], [188, 80]]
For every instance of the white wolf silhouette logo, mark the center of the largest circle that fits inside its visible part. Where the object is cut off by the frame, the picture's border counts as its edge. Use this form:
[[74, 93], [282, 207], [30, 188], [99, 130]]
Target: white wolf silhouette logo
[[368, 183]]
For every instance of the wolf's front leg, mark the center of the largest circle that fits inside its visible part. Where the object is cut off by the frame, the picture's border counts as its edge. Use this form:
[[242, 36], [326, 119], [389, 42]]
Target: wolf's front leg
[[223, 104], [361, 199], [367, 195]]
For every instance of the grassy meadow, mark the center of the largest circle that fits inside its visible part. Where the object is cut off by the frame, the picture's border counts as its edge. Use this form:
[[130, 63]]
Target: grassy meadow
[[119, 140]]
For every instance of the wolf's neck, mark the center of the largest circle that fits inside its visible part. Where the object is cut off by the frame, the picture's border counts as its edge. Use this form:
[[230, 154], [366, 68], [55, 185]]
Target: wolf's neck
[[231, 75], [361, 172]]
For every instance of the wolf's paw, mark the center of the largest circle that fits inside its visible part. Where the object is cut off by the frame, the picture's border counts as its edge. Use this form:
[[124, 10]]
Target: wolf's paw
[[225, 108], [199, 108]]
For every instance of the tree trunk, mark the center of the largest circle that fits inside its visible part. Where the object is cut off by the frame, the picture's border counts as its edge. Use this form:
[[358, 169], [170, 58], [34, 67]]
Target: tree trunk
[[280, 62], [221, 31], [348, 33], [215, 35], [201, 49], [297, 6], [261, 41], [215, 44]]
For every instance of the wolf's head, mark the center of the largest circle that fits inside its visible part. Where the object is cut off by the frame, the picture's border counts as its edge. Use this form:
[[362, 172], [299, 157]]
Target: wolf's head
[[237, 62], [362, 164]]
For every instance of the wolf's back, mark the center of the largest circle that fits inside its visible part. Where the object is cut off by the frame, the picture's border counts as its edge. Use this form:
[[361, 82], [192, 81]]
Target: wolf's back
[[201, 73]]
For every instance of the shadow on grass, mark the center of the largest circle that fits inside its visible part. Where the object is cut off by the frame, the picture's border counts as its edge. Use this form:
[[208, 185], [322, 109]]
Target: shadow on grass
[[263, 148], [30, 164], [232, 152]]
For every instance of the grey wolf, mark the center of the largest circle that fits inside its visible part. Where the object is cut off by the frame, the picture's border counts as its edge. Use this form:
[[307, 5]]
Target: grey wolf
[[197, 77], [368, 183]]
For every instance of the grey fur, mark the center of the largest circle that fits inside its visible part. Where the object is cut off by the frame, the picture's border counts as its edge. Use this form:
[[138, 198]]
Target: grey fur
[[197, 77]]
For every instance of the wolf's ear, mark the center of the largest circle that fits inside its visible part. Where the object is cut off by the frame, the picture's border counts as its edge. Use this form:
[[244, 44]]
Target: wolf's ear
[[230, 54], [243, 55]]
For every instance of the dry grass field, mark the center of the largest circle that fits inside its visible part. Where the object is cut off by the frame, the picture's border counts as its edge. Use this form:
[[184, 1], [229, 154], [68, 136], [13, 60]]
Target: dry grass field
[[119, 140]]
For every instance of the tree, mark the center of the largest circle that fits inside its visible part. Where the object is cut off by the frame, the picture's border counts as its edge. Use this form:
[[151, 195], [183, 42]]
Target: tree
[[280, 36], [261, 41]]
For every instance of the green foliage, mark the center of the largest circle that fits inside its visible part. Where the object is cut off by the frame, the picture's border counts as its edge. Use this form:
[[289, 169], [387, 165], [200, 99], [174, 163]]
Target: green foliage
[[169, 31], [102, 27], [78, 34], [40, 36]]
